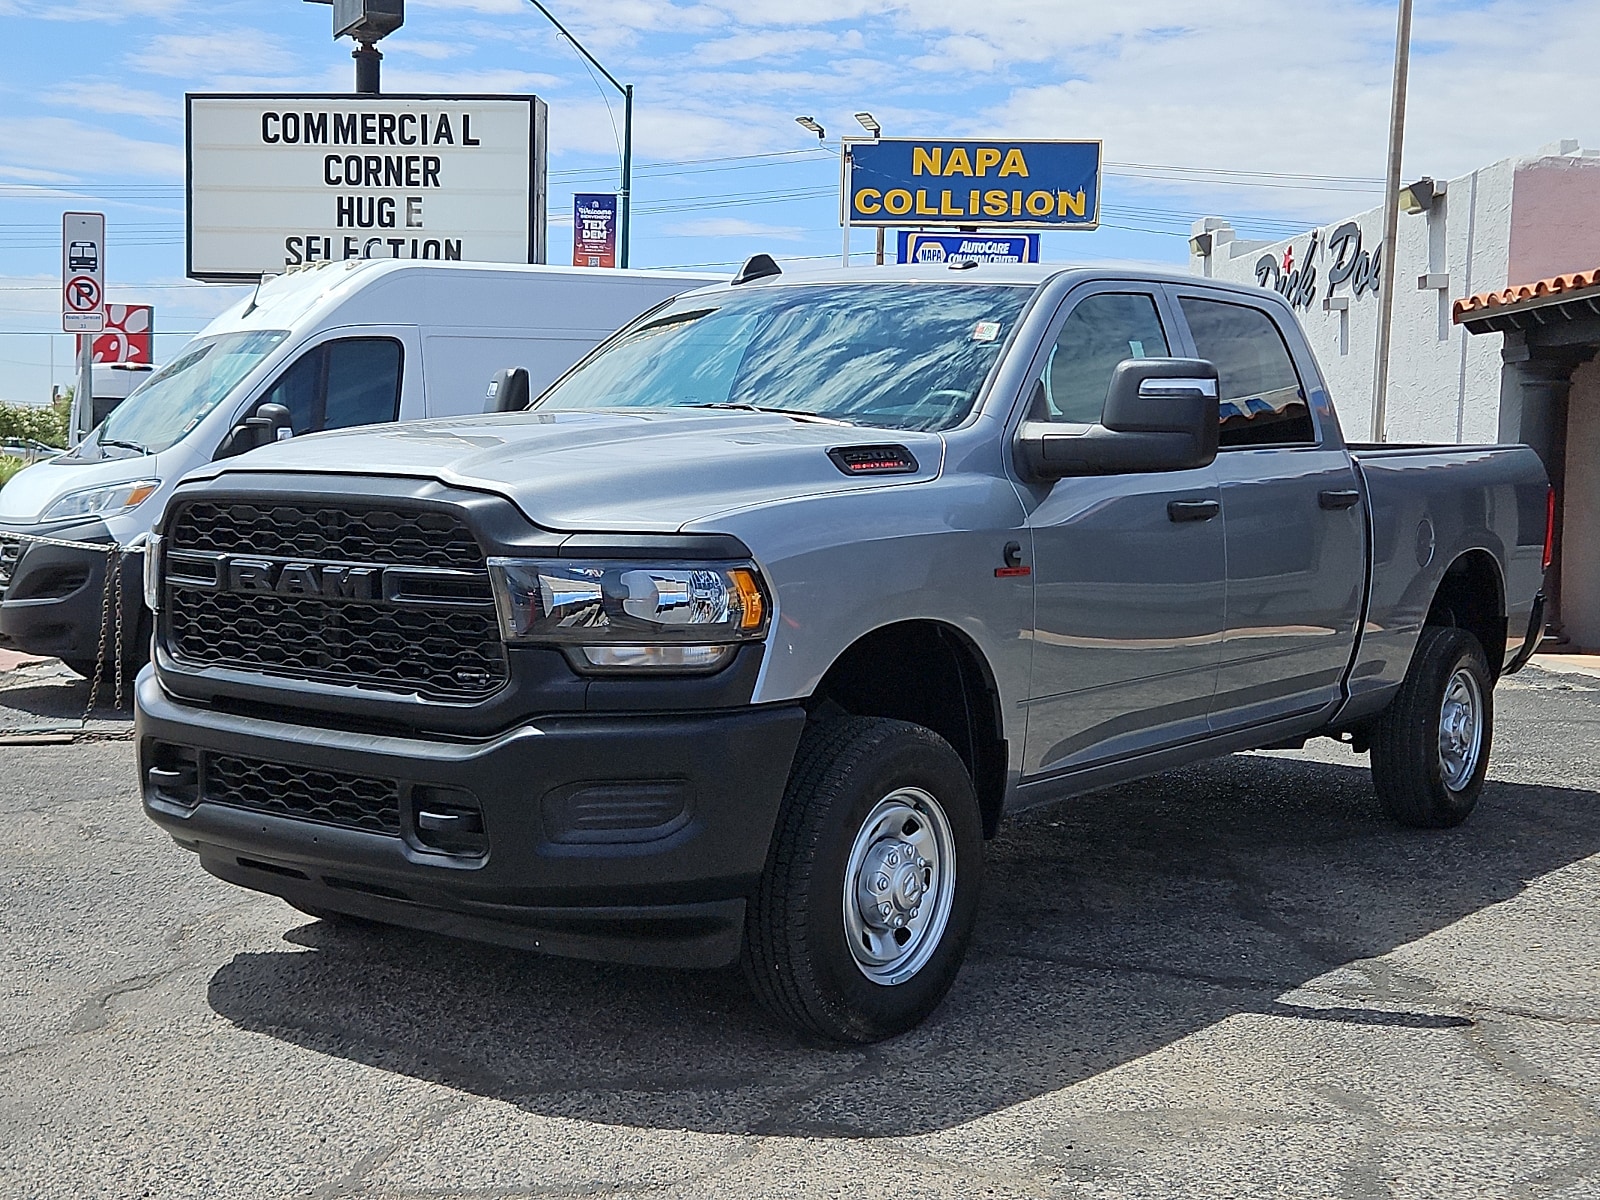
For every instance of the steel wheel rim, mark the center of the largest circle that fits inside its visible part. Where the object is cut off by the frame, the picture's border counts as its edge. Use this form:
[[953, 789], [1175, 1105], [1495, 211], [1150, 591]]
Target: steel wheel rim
[[1460, 729], [899, 886]]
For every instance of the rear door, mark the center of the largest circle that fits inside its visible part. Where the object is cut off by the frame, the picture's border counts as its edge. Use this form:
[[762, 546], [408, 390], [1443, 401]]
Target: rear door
[[1128, 569], [1292, 520]]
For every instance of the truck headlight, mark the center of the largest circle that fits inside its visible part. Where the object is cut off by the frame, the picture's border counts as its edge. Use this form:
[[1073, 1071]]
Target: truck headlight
[[101, 501], [152, 572], [632, 616]]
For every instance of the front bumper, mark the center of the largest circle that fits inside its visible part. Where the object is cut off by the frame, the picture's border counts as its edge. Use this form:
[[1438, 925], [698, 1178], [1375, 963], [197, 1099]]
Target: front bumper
[[629, 838], [54, 601]]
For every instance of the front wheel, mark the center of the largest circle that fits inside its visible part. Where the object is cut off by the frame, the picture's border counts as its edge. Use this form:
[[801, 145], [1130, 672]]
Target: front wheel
[[1430, 750], [870, 892]]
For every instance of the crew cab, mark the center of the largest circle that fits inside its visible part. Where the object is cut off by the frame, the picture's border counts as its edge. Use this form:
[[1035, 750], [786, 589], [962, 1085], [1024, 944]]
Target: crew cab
[[748, 633]]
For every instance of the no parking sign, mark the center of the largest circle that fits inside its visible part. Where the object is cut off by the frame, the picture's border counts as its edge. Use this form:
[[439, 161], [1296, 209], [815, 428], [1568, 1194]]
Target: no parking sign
[[83, 272]]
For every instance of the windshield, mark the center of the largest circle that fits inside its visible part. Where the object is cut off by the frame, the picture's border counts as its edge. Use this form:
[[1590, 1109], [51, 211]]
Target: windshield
[[897, 356], [163, 409]]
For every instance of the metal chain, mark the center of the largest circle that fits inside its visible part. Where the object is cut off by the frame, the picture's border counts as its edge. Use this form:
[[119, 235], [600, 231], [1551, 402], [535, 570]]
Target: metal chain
[[100, 651], [111, 608], [114, 565]]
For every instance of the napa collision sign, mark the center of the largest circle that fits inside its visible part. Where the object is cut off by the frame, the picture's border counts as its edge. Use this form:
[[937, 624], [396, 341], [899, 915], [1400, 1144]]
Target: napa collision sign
[[992, 183], [282, 181]]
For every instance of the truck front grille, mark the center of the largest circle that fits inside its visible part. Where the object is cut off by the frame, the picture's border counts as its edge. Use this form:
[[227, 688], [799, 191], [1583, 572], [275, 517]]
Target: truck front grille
[[328, 797], [380, 598]]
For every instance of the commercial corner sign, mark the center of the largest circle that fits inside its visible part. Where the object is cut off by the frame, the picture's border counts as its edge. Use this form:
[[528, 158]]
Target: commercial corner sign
[[594, 229], [83, 272], [282, 181], [994, 183], [919, 247]]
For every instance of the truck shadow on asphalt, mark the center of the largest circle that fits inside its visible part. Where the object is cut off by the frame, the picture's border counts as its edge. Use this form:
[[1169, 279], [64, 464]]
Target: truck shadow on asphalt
[[1112, 926]]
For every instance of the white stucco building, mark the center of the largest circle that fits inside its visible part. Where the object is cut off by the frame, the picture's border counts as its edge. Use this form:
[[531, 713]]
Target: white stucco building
[[1493, 339]]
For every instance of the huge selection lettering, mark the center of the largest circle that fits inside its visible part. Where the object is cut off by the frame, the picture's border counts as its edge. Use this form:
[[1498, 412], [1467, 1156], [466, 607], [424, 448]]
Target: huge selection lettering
[[414, 171], [1297, 283]]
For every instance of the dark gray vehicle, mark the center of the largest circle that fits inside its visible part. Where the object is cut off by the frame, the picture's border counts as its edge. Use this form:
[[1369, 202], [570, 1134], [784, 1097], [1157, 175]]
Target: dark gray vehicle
[[748, 633]]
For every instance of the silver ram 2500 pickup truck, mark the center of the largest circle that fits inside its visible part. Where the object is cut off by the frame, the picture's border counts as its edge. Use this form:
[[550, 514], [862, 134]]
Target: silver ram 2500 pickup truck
[[743, 638]]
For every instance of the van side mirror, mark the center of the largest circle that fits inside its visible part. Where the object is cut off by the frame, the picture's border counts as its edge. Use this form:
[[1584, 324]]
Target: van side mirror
[[1161, 414], [267, 424], [508, 391], [270, 423]]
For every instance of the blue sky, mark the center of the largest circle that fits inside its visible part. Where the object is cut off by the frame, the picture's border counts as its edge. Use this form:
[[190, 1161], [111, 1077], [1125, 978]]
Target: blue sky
[[1271, 112]]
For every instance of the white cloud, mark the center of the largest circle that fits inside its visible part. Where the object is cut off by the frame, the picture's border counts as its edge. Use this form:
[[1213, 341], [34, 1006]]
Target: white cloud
[[423, 48], [92, 10], [74, 147], [117, 100], [719, 227], [400, 78], [215, 55], [753, 46]]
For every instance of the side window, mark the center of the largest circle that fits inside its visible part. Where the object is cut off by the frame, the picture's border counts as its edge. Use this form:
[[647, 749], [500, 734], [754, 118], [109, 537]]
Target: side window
[[363, 382], [297, 390], [338, 384], [1103, 330], [1263, 403]]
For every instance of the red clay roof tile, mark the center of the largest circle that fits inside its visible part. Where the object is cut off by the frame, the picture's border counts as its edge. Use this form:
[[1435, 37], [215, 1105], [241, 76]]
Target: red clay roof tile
[[1522, 292]]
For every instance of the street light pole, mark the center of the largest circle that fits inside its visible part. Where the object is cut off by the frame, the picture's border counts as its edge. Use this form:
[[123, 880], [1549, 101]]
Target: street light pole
[[871, 125], [1391, 221], [625, 196]]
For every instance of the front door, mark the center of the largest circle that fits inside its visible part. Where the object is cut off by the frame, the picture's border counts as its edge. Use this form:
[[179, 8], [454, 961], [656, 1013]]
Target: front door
[[1128, 570]]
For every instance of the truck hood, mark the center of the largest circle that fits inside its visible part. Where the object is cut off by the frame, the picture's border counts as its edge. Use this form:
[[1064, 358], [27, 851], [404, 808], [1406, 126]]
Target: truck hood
[[618, 471]]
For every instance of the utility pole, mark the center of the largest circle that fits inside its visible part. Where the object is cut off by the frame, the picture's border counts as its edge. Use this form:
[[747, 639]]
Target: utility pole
[[1391, 221], [625, 196]]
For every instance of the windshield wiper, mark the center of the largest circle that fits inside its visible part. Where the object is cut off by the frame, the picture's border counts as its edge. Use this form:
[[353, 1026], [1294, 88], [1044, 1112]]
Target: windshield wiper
[[798, 414], [134, 446]]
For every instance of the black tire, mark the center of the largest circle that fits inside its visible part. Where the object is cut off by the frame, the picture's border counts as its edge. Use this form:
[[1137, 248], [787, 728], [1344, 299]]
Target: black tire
[[1409, 767], [797, 953]]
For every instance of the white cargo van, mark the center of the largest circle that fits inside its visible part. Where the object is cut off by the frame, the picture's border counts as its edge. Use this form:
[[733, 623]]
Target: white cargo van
[[338, 344]]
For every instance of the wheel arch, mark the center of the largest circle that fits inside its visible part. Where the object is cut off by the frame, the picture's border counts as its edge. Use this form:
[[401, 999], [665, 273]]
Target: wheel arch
[[1471, 595], [933, 674]]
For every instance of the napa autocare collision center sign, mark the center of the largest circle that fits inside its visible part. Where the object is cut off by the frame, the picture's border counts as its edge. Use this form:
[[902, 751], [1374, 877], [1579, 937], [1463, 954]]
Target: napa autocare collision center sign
[[280, 181], [992, 183]]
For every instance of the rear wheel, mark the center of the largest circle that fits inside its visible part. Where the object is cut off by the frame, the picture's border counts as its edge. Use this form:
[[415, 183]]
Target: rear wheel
[[868, 900], [1430, 749]]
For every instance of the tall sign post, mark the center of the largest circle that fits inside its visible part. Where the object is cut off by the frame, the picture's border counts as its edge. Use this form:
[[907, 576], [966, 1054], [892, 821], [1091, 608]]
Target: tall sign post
[[83, 297]]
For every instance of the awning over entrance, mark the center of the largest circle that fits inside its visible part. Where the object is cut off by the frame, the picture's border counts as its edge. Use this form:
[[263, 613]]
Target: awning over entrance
[[1561, 299], [1550, 399]]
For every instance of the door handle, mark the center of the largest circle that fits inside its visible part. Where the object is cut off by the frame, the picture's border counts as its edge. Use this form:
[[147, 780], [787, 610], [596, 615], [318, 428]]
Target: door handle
[[1192, 510], [1338, 499]]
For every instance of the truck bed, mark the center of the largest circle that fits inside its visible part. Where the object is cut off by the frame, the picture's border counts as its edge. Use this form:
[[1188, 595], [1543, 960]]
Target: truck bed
[[1431, 509]]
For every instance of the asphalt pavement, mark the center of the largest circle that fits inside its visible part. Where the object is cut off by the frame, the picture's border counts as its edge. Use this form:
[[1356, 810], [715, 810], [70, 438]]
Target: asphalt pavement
[[1235, 980]]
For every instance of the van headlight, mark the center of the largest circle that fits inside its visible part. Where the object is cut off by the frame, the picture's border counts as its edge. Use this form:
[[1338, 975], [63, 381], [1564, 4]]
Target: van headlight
[[618, 616], [101, 501]]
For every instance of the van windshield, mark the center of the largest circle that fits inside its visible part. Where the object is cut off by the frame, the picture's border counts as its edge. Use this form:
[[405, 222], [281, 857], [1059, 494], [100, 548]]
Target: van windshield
[[162, 410], [895, 356]]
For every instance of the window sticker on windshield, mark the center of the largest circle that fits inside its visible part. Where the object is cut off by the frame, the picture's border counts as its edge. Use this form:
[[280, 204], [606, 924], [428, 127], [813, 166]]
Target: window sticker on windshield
[[986, 331], [1136, 349]]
